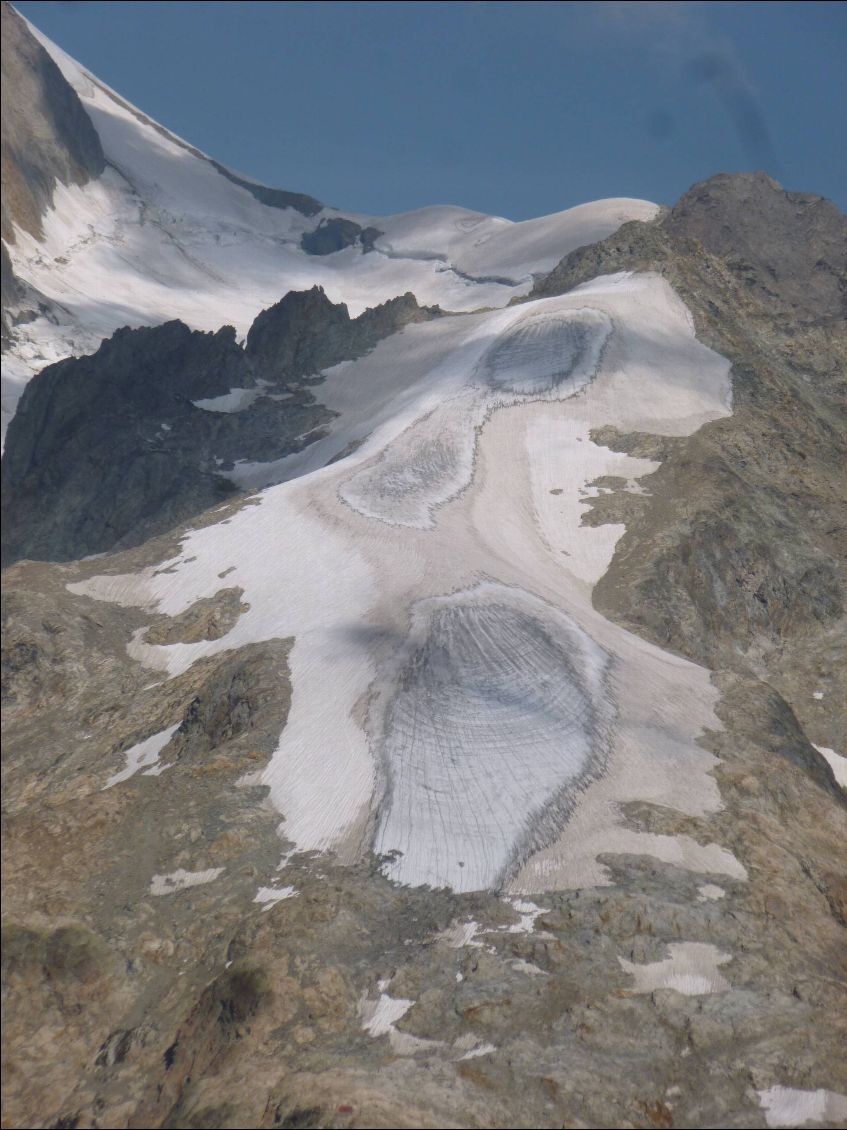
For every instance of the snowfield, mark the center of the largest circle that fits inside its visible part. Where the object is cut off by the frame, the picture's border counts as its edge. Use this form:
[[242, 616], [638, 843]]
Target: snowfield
[[458, 705], [164, 234]]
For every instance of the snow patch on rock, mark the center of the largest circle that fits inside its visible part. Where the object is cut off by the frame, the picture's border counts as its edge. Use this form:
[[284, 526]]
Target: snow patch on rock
[[180, 880], [691, 969], [143, 755], [787, 1106]]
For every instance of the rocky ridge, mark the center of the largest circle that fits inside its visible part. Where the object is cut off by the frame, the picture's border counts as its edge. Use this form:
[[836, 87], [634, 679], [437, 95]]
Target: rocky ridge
[[736, 557], [115, 448]]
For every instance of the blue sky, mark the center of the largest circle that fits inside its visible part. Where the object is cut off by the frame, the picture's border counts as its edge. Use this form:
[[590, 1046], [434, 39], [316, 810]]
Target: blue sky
[[514, 109]]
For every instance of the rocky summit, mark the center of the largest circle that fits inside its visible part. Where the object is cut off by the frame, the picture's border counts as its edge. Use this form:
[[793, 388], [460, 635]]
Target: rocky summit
[[424, 647]]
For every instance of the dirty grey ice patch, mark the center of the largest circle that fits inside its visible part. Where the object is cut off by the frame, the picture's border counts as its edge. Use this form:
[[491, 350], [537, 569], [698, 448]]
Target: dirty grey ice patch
[[424, 467], [545, 355], [500, 714]]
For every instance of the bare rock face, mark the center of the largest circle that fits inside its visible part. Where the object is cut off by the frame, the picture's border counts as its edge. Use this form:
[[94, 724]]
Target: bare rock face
[[335, 234], [272, 197], [112, 449], [47, 135], [208, 619], [791, 246], [48, 138]]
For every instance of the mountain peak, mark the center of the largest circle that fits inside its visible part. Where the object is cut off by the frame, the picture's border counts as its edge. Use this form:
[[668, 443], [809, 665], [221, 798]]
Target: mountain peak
[[793, 245]]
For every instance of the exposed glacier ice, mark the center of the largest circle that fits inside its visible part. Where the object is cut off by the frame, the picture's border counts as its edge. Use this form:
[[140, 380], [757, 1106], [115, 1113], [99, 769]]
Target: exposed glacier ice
[[545, 354], [501, 714], [451, 690]]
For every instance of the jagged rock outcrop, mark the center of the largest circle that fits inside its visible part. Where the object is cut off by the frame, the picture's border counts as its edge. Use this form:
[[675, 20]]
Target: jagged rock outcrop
[[115, 448], [305, 332]]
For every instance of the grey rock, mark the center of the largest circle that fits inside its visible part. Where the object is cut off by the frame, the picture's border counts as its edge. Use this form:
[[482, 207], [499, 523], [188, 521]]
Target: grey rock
[[47, 138], [272, 197], [337, 233], [736, 217], [736, 558], [47, 135], [111, 449], [200, 1008], [210, 618]]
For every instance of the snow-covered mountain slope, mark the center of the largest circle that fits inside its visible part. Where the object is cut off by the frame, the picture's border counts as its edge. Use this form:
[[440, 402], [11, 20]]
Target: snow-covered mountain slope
[[166, 232], [456, 698]]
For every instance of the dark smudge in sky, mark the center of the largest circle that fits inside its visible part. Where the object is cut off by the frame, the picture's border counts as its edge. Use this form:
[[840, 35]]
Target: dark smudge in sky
[[719, 72], [661, 124], [511, 109]]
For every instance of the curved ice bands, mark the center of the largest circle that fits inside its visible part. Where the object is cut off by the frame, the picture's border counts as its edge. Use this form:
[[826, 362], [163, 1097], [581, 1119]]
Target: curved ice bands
[[423, 468], [547, 355], [500, 715], [548, 352]]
